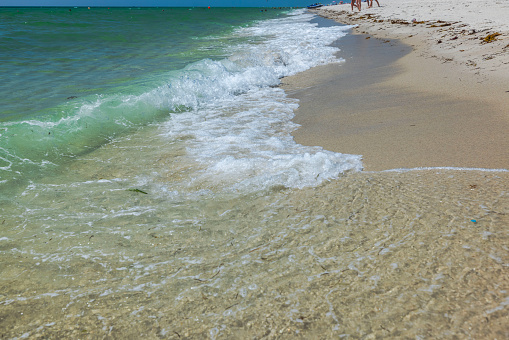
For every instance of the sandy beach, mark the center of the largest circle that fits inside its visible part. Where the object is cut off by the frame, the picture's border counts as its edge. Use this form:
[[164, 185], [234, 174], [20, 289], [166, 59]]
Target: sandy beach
[[440, 99]]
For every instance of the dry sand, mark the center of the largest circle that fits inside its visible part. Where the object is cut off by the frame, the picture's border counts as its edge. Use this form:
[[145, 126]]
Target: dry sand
[[446, 103]]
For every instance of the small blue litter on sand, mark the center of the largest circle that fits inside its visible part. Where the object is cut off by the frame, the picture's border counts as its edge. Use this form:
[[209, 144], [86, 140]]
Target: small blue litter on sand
[[473, 221]]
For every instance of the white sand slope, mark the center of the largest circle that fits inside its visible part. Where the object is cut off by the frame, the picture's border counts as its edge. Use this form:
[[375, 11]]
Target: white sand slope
[[453, 32], [477, 14]]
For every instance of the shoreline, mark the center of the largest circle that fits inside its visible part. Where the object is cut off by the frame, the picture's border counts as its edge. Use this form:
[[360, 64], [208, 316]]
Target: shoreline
[[214, 224], [413, 111]]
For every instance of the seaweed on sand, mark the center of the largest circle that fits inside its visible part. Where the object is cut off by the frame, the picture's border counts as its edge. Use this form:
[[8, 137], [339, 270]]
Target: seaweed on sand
[[490, 38], [138, 190]]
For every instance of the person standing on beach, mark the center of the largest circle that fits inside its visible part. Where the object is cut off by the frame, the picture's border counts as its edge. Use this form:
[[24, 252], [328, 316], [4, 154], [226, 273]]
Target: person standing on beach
[[356, 3], [370, 4]]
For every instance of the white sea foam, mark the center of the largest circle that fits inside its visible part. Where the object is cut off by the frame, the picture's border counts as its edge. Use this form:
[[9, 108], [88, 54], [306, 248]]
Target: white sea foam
[[245, 142], [241, 132], [443, 168]]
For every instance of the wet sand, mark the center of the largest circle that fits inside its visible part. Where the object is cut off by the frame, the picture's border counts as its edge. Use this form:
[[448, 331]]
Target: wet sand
[[401, 109]]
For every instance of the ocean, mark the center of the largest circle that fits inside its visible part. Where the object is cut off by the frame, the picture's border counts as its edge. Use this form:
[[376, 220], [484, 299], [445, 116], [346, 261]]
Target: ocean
[[150, 187], [79, 78]]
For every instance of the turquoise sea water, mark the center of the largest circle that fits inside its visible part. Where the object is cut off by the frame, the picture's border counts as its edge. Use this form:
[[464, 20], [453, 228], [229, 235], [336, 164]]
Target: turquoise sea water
[[49, 54], [73, 79]]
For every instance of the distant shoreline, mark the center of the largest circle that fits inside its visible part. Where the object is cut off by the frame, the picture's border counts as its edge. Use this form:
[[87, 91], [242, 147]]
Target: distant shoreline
[[205, 7]]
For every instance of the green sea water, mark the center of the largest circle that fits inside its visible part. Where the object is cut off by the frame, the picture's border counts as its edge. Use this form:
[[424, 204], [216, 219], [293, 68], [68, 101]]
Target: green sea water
[[51, 54], [74, 78]]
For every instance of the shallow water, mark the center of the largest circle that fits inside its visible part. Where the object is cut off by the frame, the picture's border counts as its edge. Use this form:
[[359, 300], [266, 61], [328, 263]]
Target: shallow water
[[393, 254]]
